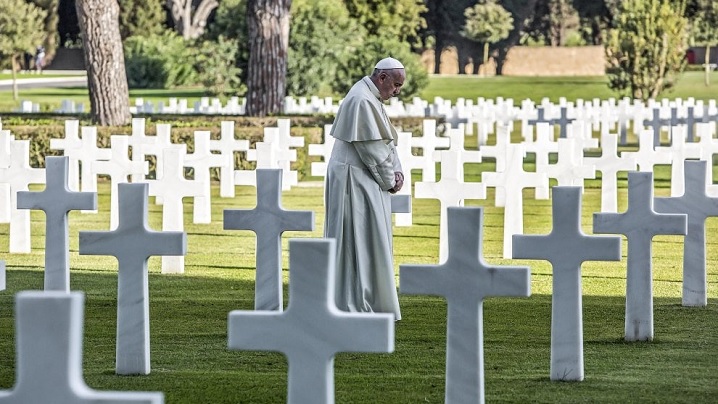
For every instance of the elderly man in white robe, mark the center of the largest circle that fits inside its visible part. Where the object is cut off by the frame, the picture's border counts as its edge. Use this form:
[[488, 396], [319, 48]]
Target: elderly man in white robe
[[363, 171]]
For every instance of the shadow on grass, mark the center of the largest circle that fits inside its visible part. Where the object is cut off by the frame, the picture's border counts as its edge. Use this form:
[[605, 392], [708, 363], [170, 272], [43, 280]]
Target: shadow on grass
[[191, 362]]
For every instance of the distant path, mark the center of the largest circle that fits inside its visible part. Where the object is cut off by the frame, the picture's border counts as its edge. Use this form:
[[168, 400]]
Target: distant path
[[45, 82]]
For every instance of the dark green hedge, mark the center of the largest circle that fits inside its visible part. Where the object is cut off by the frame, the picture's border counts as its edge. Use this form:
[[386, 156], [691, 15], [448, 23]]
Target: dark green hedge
[[40, 128]]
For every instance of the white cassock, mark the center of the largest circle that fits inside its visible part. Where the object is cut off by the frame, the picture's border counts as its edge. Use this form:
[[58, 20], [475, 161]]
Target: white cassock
[[358, 205]]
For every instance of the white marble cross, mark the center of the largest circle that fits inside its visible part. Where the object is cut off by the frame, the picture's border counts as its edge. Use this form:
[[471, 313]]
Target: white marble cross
[[139, 142], [566, 247], [70, 142], [201, 161], [708, 147], [270, 154], [498, 150], [227, 145], [465, 280], [403, 216], [639, 223], [512, 181], [143, 146], [268, 220], [56, 200], [49, 354], [647, 155], [284, 135], [655, 124], [698, 206], [679, 151], [172, 187], [690, 121], [312, 330], [87, 155], [6, 138], [133, 243], [540, 117], [324, 150], [609, 164], [624, 115], [19, 175], [450, 190], [275, 151], [429, 142], [563, 121], [542, 148], [569, 169], [119, 167]]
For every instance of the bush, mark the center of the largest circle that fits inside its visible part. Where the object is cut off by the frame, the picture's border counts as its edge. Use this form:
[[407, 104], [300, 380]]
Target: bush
[[230, 22], [361, 63], [41, 130], [217, 69], [159, 61], [321, 35]]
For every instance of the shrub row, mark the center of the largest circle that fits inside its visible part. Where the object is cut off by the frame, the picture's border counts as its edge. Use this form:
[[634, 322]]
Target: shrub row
[[40, 129]]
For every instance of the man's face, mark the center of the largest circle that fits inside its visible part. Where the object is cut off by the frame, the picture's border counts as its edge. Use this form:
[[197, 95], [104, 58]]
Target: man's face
[[390, 82]]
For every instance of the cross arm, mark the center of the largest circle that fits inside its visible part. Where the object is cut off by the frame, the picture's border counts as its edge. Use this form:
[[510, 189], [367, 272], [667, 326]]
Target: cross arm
[[503, 281], [413, 280]]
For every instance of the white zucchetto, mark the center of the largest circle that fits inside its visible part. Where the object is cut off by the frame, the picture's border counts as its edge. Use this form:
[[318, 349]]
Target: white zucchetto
[[389, 63]]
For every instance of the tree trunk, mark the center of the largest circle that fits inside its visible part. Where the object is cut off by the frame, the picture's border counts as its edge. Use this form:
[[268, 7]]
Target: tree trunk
[[189, 25], [708, 65], [14, 68], [105, 61], [268, 27], [438, 48]]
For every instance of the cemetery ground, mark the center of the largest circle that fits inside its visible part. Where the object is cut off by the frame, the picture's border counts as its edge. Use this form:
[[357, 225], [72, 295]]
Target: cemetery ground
[[191, 363], [448, 87]]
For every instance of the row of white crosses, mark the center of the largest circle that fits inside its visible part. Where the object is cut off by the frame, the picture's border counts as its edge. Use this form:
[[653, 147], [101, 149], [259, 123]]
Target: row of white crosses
[[703, 182], [170, 185], [310, 292], [205, 105], [604, 115], [571, 168], [49, 323], [276, 152], [464, 279]]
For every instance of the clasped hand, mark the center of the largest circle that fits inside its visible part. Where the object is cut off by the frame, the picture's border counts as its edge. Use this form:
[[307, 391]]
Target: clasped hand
[[399, 179]]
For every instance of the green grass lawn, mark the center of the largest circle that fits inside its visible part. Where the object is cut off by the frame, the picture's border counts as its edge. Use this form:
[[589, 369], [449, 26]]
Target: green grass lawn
[[33, 75], [536, 88], [191, 362], [448, 87]]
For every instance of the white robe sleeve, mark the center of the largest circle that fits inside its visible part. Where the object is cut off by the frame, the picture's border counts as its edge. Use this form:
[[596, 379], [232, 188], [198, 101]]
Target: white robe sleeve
[[397, 163], [380, 159]]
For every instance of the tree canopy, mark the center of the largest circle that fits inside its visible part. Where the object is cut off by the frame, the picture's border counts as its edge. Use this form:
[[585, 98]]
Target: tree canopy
[[487, 23], [21, 30], [400, 19], [646, 47], [141, 18], [704, 29]]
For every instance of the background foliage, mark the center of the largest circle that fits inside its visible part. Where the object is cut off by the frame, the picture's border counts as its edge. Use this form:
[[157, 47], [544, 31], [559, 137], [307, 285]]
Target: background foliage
[[646, 47], [322, 35], [159, 61], [141, 18], [360, 64]]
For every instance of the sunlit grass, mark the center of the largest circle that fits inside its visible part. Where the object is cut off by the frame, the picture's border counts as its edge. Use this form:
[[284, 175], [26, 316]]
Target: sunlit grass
[[473, 87], [191, 363]]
